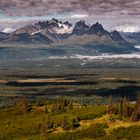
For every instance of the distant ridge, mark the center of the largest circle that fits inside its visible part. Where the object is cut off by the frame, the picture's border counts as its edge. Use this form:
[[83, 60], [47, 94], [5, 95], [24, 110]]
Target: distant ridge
[[58, 32]]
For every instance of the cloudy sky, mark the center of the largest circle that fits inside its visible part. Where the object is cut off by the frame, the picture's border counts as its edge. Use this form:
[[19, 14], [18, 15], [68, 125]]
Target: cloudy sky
[[120, 14]]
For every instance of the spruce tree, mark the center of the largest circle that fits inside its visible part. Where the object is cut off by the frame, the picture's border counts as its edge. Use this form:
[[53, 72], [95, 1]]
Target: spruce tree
[[136, 113], [70, 106], [46, 110], [65, 124], [116, 109], [111, 107], [55, 108], [121, 106], [125, 108], [138, 105]]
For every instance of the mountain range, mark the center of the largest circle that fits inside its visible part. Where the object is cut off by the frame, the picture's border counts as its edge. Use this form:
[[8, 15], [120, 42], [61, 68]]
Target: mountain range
[[58, 33], [133, 37]]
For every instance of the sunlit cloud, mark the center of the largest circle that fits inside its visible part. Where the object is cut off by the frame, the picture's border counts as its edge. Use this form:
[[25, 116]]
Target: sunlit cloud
[[128, 28], [79, 16]]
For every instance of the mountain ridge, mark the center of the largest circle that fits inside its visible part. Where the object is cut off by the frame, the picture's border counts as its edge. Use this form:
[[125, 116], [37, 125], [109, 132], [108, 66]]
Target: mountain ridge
[[132, 37], [58, 32]]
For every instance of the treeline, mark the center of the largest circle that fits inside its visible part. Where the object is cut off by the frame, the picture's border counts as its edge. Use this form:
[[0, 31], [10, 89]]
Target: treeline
[[23, 106], [124, 109]]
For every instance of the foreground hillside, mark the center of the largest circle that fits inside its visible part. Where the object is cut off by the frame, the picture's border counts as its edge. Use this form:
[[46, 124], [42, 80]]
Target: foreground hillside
[[66, 120], [69, 103]]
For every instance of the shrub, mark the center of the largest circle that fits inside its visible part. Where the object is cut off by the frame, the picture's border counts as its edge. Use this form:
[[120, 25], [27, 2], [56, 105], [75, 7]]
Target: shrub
[[131, 133], [94, 131], [21, 105], [65, 124], [46, 110], [74, 122]]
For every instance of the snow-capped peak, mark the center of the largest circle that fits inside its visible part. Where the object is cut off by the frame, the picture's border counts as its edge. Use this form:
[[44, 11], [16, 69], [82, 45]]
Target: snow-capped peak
[[63, 28]]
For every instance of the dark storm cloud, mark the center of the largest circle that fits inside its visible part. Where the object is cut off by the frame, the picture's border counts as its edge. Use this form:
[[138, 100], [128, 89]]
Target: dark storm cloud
[[41, 7], [111, 13]]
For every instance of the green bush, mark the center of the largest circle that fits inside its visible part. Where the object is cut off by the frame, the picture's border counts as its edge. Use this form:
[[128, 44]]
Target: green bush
[[74, 122], [94, 131], [89, 112], [122, 133]]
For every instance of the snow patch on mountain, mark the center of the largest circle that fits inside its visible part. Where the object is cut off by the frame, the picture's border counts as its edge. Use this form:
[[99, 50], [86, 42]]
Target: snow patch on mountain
[[59, 27], [8, 30], [39, 31], [138, 47], [63, 28]]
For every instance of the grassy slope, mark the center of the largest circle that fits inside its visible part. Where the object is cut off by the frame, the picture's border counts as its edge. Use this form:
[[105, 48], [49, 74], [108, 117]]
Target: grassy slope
[[13, 126], [25, 127]]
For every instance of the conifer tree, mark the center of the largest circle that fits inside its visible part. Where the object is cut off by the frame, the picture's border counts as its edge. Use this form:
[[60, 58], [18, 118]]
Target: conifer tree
[[117, 109], [54, 108], [134, 116], [125, 107], [65, 124], [111, 107], [138, 105], [136, 113], [46, 110], [121, 106], [70, 106], [21, 104], [43, 129]]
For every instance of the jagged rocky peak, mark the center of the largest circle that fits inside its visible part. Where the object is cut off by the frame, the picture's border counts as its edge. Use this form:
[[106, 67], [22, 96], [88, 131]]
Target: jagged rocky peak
[[26, 29], [53, 31], [59, 26], [115, 35], [42, 24], [82, 24], [68, 24], [45, 24], [52, 26], [54, 20], [53, 23], [80, 28], [98, 25], [97, 29]]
